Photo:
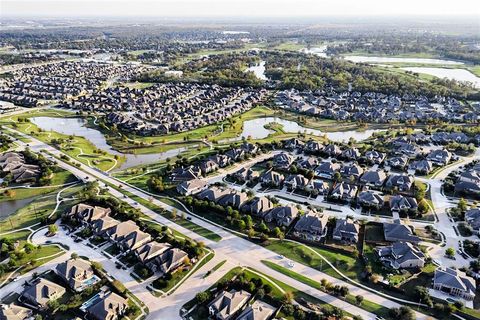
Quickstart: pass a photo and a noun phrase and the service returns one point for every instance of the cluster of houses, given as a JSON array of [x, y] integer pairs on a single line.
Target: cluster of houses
[[160, 258], [229, 304], [468, 181], [169, 107], [376, 107], [73, 275], [59, 81], [13, 164]]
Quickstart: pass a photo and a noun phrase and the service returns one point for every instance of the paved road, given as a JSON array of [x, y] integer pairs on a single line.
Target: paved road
[[237, 250]]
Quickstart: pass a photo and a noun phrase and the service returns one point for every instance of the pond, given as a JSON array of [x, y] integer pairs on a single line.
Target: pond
[[7, 208], [76, 127], [258, 70], [455, 74], [255, 129], [400, 60]]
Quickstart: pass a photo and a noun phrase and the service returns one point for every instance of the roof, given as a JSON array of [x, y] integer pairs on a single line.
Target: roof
[[259, 310], [398, 232], [42, 290], [345, 226], [151, 250], [454, 279], [227, 303], [311, 223], [14, 312], [75, 271], [107, 307]]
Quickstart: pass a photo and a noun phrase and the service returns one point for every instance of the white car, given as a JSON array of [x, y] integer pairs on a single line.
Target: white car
[[16, 279], [291, 264]]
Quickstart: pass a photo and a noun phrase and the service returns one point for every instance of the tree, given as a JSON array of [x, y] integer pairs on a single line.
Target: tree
[[278, 233], [288, 297], [462, 205], [52, 229], [53, 305], [359, 299], [74, 255], [450, 252], [173, 214], [402, 313], [202, 297], [423, 295]]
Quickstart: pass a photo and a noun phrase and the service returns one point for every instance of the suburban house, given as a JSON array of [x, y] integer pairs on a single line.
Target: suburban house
[[186, 174], [439, 157], [293, 144], [283, 215], [77, 273], [122, 230], [168, 261], [109, 307], [86, 214], [14, 163], [327, 169], [189, 187], [213, 193], [150, 250], [370, 199], [401, 203], [344, 191], [346, 230], [351, 170], [235, 199], [374, 178], [317, 187], [332, 150], [472, 217], [41, 292], [15, 312], [400, 182], [208, 166], [397, 231], [397, 162], [455, 283], [294, 182], [258, 310], [135, 239], [313, 146], [401, 255], [282, 160], [308, 164], [421, 166], [227, 304], [258, 206], [351, 154], [311, 226], [374, 156], [272, 179], [245, 175], [101, 226]]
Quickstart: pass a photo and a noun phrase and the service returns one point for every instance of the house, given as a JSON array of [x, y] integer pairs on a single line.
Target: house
[[187, 188], [135, 240], [122, 230], [401, 255], [439, 157], [374, 157], [150, 250], [186, 174], [407, 149], [297, 181], [370, 199], [400, 182], [77, 273], [234, 199], [109, 307], [463, 187], [472, 217], [346, 230], [351, 154], [332, 150], [397, 162], [374, 178], [351, 170], [15, 312], [272, 179], [282, 160], [317, 187], [87, 214], [455, 283], [401, 203], [245, 175], [249, 148], [258, 310], [236, 154], [258, 206], [313, 146], [41, 292], [327, 169], [283, 215], [221, 159], [227, 304], [168, 261], [421, 166], [344, 191], [309, 164], [101, 226], [397, 231], [311, 226], [208, 166], [213, 193], [292, 144]]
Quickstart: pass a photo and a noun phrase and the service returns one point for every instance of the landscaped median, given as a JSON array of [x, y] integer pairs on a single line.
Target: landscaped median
[[341, 292]]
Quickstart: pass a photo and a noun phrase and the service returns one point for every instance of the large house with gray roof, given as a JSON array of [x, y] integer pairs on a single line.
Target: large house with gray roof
[[401, 255], [227, 304], [77, 273], [455, 283], [397, 231], [109, 307], [41, 292], [346, 230], [311, 226]]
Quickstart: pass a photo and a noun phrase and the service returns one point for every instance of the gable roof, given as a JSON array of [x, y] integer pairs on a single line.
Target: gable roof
[[108, 307]]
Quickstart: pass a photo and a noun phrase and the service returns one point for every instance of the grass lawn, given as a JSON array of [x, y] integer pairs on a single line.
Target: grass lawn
[[366, 305]]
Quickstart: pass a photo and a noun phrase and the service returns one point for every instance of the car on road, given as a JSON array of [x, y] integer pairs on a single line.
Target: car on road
[[291, 264], [280, 257], [16, 279], [189, 218]]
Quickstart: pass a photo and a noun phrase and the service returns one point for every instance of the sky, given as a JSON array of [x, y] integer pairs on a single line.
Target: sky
[[237, 8]]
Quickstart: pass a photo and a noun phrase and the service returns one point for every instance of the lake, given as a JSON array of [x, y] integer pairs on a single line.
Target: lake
[[76, 127], [400, 60], [255, 129], [455, 74], [7, 208], [258, 70]]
